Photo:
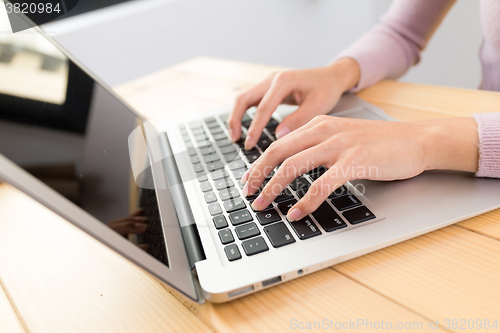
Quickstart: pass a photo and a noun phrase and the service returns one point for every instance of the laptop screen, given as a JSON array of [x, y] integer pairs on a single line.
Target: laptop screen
[[68, 131]]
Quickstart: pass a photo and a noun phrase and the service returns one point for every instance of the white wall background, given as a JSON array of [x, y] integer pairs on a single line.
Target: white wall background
[[132, 39]]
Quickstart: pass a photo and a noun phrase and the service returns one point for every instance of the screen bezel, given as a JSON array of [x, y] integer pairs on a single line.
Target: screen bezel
[[178, 274]]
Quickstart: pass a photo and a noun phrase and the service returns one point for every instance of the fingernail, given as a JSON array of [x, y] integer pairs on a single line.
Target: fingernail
[[140, 226], [231, 134], [284, 130], [244, 191], [244, 178], [293, 214], [247, 142], [258, 202]]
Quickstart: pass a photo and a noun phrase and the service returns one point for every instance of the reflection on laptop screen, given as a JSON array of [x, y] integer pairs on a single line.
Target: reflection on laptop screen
[[64, 128]]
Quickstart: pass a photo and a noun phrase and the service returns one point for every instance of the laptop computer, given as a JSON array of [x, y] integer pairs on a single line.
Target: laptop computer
[[69, 142]]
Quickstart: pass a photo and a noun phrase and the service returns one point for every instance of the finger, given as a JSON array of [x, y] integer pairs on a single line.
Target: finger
[[249, 98], [129, 227], [277, 152], [281, 86], [291, 168], [137, 212], [319, 191], [310, 108]]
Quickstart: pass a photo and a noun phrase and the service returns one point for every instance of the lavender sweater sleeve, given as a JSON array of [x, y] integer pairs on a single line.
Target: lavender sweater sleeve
[[394, 45]]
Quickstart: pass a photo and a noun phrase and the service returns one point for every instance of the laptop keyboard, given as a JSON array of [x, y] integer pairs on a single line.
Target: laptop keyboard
[[219, 165]]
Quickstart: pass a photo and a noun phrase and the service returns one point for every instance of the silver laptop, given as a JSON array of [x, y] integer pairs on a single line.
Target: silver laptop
[[69, 142]]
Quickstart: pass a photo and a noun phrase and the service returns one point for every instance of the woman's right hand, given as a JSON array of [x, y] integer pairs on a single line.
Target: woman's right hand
[[315, 91]]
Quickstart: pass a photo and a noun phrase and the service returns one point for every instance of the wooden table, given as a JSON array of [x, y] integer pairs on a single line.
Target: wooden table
[[55, 278]]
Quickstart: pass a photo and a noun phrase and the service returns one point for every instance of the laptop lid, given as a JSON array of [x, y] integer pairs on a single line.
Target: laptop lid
[[65, 140]]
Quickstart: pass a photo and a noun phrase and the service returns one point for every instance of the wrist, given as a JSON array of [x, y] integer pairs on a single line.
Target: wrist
[[450, 144], [345, 71]]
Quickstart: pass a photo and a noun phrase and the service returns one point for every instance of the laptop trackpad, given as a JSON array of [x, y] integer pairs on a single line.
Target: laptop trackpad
[[358, 113]]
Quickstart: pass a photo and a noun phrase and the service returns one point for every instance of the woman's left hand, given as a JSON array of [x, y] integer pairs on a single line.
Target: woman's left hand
[[360, 149]]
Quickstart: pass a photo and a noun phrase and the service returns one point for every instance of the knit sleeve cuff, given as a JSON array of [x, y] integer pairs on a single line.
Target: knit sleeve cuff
[[489, 144]]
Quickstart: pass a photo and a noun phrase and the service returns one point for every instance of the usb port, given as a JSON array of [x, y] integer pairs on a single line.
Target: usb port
[[271, 281]]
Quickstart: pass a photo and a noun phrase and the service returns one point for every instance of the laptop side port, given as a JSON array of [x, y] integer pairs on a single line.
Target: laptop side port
[[240, 291], [271, 281]]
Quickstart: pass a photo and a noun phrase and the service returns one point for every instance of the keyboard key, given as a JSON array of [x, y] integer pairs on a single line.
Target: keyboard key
[[231, 157], [328, 218], [232, 252], [234, 205], [342, 190], [226, 236], [237, 164], [220, 136], [299, 182], [224, 117], [186, 138], [215, 166], [205, 186], [198, 131], [211, 158], [248, 152], [246, 123], [268, 216], [194, 159], [215, 129], [253, 157], [189, 144], [240, 217], [214, 209], [210, 197], [224, 143], [202, 177], [217, 174], [213, 124], [207, 150], [358, 215], [223, 183], [272, 123], [302, 192], [209, 120], [305, 228], [227, 150], [286, 205], [247, 230], [220, 221], [346, 202], [264, 143], [198, 168], [284, 195], [229, 193], [279, 235], [204, 144], [201, 137], [239, 173], [254, 246], [191, 151]]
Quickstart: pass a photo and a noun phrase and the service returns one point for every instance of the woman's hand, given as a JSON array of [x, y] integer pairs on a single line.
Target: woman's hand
[[360, 149], [316, 91]]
